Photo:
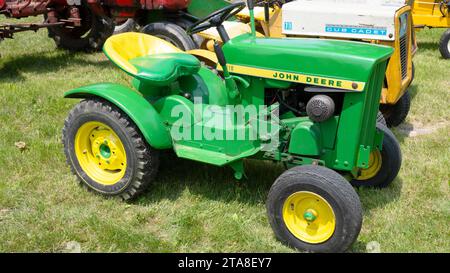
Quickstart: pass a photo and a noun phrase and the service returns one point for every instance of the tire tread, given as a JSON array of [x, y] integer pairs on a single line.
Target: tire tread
[[331, 182], [147, 157]]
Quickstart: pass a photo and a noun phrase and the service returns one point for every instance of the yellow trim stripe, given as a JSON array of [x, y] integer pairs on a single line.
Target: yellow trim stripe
[[296, 77]]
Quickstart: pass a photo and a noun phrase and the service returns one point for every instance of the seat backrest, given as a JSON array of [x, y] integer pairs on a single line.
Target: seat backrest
[[121, 48]]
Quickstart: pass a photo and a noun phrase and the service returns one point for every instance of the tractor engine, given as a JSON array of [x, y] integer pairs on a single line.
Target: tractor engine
[[318, 103]]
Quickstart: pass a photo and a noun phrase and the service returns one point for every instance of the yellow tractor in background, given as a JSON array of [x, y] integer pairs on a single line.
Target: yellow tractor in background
[[372, 21], [433, 14]]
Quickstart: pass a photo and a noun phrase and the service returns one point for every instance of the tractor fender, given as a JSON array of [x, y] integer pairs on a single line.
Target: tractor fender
[[143, 114]]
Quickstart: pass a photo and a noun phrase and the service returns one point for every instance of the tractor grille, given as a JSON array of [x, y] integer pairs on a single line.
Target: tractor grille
[[404, 55], [404, 43]]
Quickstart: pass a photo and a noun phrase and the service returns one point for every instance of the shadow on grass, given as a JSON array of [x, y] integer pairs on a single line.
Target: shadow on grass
[[373, 199], [206, 181], [215, 183], [11, 68], [432, 47], [413, 89], [403, 131], [377, 198], [358, 247], [178, 176], [428, 45]]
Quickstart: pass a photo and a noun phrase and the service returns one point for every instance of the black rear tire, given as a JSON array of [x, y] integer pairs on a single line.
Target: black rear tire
[[171, 33], [142, 161], [185, 24], [90, 36], [327, 185], [444, 45], [391, 161], [396, 114]]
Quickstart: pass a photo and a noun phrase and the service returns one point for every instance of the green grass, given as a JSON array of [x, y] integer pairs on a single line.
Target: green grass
[[192, 207]]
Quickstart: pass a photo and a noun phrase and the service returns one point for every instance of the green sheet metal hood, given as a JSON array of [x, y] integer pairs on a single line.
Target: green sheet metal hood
[[345, 60]]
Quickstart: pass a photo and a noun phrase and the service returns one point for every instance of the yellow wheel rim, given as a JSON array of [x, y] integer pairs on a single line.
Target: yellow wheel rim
[[100, 153], [309, 217], [375, 163]]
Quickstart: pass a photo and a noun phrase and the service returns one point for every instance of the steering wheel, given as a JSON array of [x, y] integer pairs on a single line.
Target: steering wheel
[[216, 19]]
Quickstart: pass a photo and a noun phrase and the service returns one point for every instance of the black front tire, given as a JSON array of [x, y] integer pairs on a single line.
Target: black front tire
[[396, 114], [331, 187], [444, 45], [391, 161], [142, 161], [171, 33]]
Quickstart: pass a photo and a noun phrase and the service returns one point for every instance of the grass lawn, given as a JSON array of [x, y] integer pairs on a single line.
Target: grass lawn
[[193, 207]]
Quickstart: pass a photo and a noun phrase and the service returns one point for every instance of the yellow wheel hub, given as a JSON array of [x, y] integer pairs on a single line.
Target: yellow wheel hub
[[309, 217], [375, 163], [100, 153]]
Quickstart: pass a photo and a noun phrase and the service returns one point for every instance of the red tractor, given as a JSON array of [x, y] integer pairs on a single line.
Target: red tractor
[[170, 20], [86, 24]]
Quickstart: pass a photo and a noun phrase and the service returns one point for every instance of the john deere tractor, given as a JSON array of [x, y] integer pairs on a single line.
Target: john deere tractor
[[372, 21], [310, 104]]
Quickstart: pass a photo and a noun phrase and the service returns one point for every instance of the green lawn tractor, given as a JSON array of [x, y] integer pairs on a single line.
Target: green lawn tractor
[[312, 107]]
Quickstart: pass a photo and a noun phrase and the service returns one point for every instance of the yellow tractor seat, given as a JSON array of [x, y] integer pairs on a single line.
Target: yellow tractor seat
[[149, 59]]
